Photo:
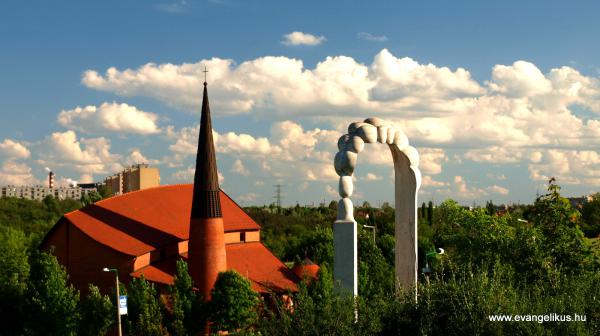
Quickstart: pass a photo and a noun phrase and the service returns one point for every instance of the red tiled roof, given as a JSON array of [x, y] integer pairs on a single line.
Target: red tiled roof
[[139, 222], [252, 260]]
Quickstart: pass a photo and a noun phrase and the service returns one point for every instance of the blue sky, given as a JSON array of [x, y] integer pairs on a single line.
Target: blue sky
[[495, 96]]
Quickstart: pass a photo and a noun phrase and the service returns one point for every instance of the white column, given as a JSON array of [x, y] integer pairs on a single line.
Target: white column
[[345, 256]]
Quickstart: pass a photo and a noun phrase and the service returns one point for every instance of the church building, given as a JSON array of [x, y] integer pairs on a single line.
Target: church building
[[144, 233]]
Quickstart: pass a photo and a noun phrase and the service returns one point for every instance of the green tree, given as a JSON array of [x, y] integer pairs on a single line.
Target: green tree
[[182, 320], [490, 208], [558, 221], [14, 273], [590, 215], [430, 212], [51, 301], [97, 313], [234, 304], [144, 313]]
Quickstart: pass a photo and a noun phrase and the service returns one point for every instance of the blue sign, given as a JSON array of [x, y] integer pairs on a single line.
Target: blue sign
[[123, 304]]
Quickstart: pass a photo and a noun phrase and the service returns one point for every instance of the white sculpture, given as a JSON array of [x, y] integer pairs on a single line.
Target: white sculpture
[[407, 182]]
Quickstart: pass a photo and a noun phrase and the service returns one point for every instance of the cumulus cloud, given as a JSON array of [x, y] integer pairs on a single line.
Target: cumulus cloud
[[17, 174], [109, 117], [494, 154], [370, 37], [239, 168], [434, 104], [521, 113], [249, 197], [299, 38], [90, 155], [13, 150], [569, 167], [372, 177]]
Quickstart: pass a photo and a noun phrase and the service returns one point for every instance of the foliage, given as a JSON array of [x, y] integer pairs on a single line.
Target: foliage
[[234, 304], [590, 215], [144, 313], [51, 301], [97, 313], [181, 320], [14, 273], [558, 222]]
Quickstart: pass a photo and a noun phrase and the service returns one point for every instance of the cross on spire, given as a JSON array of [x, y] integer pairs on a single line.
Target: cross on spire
[[205, 71]]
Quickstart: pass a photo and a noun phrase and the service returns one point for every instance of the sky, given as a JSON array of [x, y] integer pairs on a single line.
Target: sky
[[497, 97]]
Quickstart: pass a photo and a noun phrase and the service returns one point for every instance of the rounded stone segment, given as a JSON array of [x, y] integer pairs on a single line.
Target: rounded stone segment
[[400, 139], [368, 133], [382, 132], [346, 187], [345, 162], [356, 144], [391, 135], [353, 127], [413, 155], [375, 121], [345, 210], [343, 142]]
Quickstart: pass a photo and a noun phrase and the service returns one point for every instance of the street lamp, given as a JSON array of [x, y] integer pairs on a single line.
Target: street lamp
[[106, 269], [372, 227], [427, 270]]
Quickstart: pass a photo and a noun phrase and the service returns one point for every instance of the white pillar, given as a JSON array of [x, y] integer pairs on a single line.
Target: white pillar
[[345, 256]]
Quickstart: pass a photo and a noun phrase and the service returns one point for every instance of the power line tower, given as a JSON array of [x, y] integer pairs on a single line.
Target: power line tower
[[277, 197]]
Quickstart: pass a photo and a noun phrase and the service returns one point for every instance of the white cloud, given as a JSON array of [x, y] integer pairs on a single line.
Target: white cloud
[[494, 154], [249, 197], [109, 117], [239, 168], [83, 155], [428, 181], [136, 157], [331, 192], [567, 166], [299, 38], [13, 150], [372, 177], [370, 37], [519, 115], [498, 190], [521, 79], [13, 173]]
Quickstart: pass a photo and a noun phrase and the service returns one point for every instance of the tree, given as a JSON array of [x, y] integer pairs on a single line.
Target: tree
[[144, 314], [423, 212], [234, 304], [490, 208], [52, 303], [14, 272], [97, 313], [558, 221], [182, 320], [590, 214], [430, 212]]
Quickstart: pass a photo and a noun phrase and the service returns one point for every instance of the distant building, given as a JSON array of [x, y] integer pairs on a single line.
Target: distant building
[[136, 177], [38, 193]]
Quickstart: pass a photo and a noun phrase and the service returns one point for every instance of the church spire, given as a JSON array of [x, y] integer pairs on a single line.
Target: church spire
[[206, 203], [206, 245]]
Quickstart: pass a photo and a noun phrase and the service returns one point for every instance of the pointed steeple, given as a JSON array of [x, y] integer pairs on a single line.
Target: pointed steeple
[[206, 246], [206, 203]]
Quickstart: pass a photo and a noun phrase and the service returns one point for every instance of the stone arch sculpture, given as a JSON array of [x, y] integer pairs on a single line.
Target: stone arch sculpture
[[407, 182]]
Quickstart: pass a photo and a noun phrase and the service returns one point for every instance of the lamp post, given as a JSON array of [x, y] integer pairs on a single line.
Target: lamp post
[[372, 227], [106, 269], [427, 269]]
